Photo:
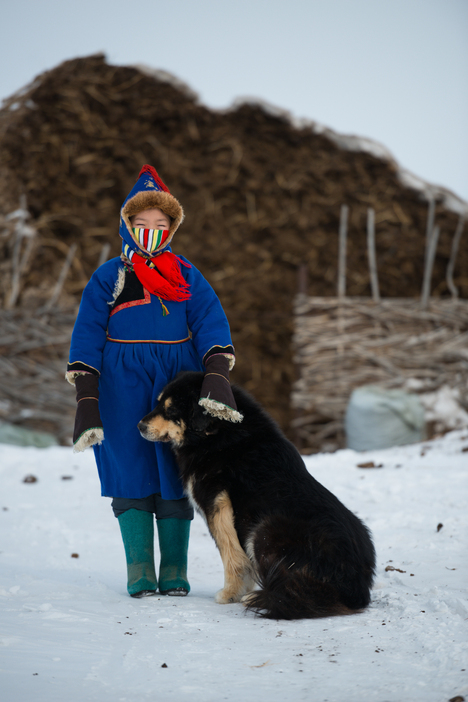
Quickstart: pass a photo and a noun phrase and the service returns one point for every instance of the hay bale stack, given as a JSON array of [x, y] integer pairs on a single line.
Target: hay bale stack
[[261, 197]]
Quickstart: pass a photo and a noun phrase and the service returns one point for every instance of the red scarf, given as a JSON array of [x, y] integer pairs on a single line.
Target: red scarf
[[163, 278]]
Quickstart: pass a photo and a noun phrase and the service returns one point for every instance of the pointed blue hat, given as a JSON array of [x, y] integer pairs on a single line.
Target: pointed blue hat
[[149, 191]]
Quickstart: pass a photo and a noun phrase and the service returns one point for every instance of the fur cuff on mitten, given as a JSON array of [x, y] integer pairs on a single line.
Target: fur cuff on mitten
[[216, 394], [88, 425]]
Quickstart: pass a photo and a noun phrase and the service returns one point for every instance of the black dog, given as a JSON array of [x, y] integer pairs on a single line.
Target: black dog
[[273, 523]]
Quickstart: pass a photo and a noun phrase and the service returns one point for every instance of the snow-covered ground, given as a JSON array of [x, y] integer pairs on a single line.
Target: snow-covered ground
[[70, 633]]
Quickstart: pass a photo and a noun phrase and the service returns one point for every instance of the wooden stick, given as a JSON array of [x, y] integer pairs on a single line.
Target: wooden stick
[[371, 254], [104, 254], [430, 257], [342, 251], [429, 226], [61, 279], [41, 343], [19, 263], [453, 256], [251, 207], [15, 276], [302, 276]]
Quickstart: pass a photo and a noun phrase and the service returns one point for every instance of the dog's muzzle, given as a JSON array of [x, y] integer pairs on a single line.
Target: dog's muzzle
[[150, 434], [157, 428]]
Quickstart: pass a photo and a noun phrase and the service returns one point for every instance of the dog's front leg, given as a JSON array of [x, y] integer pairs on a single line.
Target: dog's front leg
[[239, 576]]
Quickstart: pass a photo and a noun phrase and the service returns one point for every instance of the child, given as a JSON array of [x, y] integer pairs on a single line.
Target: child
[[145, 316]]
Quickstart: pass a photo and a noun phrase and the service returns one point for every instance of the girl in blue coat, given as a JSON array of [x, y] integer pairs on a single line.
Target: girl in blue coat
[[145, 316]]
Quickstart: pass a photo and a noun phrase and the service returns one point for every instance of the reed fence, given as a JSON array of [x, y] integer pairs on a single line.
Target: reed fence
[[341, 343]]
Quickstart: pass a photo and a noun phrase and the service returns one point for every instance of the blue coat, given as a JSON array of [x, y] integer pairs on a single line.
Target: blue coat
[[137, 349]]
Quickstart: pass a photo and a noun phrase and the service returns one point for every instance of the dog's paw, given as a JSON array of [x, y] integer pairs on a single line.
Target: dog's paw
[[225, 596]]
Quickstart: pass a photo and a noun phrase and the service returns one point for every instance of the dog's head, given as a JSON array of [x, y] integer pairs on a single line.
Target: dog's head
[[178, 417]]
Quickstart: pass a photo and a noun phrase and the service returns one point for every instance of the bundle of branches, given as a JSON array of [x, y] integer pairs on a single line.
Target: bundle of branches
[[33, 354], [342, 344], [261, 196]]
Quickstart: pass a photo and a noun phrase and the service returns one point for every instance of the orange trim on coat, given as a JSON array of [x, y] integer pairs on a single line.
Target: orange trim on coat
[[133, 303], [146, 341]]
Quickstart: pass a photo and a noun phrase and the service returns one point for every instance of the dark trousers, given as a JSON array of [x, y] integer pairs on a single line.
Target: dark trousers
[[163, 509]]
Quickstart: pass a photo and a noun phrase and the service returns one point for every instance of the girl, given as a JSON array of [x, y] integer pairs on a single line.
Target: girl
[[143, 317]]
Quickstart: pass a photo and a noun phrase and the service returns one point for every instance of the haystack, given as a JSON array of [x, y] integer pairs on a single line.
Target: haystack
[[261, 194]]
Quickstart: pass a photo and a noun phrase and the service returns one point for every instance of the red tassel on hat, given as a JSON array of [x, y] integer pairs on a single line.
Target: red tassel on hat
[[153, 172]]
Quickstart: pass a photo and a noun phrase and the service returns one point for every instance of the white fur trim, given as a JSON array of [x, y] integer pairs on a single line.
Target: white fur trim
[[89, 438], [230, 356], [145, 199], [220, 411], [71, 376], [119, 286], [232, 360]]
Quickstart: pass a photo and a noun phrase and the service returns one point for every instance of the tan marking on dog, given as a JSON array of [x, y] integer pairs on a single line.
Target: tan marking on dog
[[167, 403], [247, 598], [249, 549], [160, 429], [159, 396], [238, 571], [189, 488], [189, 492]]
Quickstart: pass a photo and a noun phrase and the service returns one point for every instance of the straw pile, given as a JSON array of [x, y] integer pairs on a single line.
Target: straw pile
[[261, 196], [343, 344]]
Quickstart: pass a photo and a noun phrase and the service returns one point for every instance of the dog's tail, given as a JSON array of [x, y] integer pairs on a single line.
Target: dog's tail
[[294, 594]]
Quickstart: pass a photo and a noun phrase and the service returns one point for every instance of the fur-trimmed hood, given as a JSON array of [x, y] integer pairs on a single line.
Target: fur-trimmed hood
[[149, 191]]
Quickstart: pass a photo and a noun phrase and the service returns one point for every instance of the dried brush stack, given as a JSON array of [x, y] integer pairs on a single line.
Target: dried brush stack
[[342, 344], [261, 196], [33, 351]]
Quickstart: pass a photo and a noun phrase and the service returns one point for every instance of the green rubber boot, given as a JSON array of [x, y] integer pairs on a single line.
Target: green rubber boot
[[137, 529], [173, 543]]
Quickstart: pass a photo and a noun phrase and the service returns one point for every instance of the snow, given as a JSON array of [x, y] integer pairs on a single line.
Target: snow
[[70, 632], [444, 408]]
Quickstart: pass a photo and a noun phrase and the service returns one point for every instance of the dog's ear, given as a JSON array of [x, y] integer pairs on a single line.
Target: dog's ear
[[200, 420], [203, 422]]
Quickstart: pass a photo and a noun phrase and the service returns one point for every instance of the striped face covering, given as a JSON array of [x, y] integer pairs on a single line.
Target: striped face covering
[[160, 273], [150, 239]]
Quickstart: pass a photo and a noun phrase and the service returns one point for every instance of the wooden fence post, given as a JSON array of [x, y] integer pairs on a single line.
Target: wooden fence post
[[342, 251], [430, 257], [453, 257], [374, 280], [429, 226]]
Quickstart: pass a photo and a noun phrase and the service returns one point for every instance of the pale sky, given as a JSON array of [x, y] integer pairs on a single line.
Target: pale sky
[[395, 71]]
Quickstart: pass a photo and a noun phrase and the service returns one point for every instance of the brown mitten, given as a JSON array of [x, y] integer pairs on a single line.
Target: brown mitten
[[216, 393], [88, 425]]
